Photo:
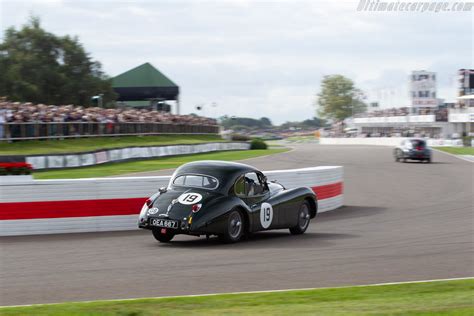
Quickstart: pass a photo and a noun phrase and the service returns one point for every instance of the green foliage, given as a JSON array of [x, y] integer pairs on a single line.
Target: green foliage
[[257, 143], [240, 138], [40, 67], [240, 123], [467, 140], [315, 122], [338, 98]]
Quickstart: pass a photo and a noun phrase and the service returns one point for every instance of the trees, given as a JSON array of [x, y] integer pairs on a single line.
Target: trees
[[313, 123], [339, 98], [245, 122], [41, 67]]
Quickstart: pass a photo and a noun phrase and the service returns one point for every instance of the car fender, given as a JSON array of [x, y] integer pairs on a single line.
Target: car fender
[[212, 217], [298, 195]]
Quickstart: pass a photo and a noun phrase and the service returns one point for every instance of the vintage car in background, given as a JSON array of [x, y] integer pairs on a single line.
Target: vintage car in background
[[413, 149]]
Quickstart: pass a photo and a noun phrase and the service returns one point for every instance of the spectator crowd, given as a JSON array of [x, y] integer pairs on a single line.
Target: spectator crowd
[[18, 112]]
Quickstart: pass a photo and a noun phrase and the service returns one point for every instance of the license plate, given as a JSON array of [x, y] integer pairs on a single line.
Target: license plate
[[164, 223]]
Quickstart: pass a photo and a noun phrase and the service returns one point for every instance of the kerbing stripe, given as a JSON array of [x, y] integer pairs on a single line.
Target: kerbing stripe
[[105, 207]]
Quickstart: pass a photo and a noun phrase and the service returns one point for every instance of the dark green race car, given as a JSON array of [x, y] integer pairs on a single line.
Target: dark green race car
[[225, 199]]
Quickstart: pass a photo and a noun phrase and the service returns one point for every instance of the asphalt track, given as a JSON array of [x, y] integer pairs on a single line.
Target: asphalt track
[[402, 222]]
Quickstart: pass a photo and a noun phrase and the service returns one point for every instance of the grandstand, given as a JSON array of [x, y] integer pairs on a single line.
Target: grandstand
[[37, 121]]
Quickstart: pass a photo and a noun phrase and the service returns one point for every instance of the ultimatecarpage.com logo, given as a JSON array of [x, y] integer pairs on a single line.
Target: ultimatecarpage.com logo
[[414, 6]]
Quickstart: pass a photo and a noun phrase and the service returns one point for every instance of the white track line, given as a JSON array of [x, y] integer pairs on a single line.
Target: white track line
[[457, 156], [248, 292]]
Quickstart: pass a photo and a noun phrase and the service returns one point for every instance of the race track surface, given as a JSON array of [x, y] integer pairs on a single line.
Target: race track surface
[[402, 222]]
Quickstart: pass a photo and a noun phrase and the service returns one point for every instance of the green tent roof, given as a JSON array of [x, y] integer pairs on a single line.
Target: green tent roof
[[142, 76]]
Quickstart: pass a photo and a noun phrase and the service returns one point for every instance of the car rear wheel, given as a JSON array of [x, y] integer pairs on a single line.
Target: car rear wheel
[[397, 155], [303, 220], [235, 227], [162, 237]]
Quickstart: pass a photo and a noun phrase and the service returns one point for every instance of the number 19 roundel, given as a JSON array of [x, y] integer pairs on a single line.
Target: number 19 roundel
[[266, 215], [189, 198]]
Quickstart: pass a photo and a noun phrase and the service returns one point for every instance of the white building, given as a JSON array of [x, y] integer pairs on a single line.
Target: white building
[[423, 89]]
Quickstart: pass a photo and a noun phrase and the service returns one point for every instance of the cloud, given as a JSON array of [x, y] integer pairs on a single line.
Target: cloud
[[261, 58]]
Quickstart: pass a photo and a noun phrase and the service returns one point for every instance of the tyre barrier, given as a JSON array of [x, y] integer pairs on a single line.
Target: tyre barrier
[[30, 207]]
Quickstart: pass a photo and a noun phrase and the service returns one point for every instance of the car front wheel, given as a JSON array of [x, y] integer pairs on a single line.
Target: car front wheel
[[162, 237], [235, 227], [303, 220]]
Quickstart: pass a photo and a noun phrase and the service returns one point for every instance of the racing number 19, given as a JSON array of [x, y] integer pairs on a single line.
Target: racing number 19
[[267, 214], [190, 197]]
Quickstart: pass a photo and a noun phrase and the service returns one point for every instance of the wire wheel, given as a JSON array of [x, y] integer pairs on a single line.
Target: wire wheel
[[235, 225], [303, 220]]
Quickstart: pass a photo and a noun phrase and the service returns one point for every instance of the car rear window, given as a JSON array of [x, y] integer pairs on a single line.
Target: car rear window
[[418, 143], [196, 181]]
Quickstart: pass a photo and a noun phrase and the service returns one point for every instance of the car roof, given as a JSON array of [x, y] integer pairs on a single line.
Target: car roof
[[226, 172], [213, 167]]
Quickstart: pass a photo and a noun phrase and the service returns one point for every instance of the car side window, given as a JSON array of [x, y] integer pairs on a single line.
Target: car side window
[[250, 185], [239, 187]]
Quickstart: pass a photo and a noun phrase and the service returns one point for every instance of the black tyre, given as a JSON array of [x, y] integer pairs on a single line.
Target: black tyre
[[162, 237], [235, 227], [428, 160], [303, 220], [397, 155]]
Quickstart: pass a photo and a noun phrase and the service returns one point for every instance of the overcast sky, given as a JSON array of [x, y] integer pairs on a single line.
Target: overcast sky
[[262, 58]]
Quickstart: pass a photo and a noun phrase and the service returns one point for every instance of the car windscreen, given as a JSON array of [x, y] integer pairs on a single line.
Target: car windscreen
[[196, 181]]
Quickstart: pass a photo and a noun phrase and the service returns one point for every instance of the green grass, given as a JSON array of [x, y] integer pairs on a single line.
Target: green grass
[[150, 165], [34, 147], [457, 150], [430, 298]]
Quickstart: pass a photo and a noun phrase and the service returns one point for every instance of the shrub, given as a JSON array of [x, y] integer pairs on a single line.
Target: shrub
[[466, 140], [257, 143], [239, 137]]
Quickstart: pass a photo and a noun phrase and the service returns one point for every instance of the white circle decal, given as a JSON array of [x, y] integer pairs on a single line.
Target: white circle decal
[[189, 198], [266, 215], [153, 210]]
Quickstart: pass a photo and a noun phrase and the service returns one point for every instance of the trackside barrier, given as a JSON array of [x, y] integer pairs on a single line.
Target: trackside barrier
[[385, 141], [29, 207], [62, 161]]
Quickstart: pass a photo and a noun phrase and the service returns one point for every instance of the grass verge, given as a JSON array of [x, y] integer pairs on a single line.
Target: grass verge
[[457, 150], [37, 147], [427, 298], [114, 169]]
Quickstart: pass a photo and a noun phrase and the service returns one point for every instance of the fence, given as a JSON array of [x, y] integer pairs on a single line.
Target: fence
[[24, 131]]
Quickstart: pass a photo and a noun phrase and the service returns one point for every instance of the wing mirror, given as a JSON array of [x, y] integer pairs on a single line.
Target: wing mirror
[[162, 190]]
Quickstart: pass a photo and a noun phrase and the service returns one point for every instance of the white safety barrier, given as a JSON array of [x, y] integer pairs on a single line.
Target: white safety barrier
[[30, 207], [385, 141], [123, 154]]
